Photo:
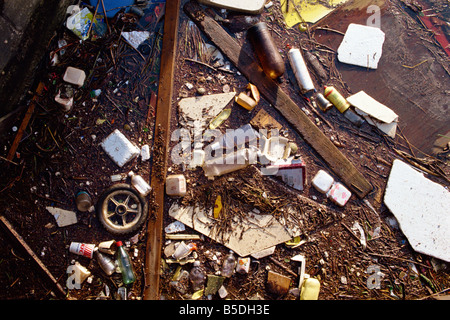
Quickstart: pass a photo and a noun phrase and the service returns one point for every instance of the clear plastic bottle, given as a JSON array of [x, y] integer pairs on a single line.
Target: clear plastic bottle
[[228, 265], [139, 183], [106, 263], [125, 265], [197, 276]]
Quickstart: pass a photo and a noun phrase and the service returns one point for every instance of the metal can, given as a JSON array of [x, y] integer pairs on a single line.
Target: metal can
[[300, 70], [271, 61], [82, 249], [324, 103], [83, 201], [336, 99], [243, 265]]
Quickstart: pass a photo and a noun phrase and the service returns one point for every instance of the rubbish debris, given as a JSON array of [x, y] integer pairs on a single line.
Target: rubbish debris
[[243, 265], [176, 185], [82, 249], [119, 148], [271, 61], [139, 183], [362, 46], [174, 227], [63, 217], [278, 283], [135, 38], [253, 7], [292, 173], [298, 11], [300, 70], [83, 201], [374, 112], [74, 76], [423, 219]]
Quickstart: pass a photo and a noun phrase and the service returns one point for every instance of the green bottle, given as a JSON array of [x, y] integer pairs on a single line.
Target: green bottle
[[125, 265]]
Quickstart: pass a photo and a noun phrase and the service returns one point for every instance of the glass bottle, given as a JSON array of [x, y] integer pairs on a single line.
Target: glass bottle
[[197, 276], [228, 265], [125, 265], [271, 61]]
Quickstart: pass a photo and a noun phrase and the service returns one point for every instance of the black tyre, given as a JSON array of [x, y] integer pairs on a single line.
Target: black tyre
[[121, 209]]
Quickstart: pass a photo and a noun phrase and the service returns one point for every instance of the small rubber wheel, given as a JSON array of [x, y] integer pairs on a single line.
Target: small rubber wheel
[[121, 209]]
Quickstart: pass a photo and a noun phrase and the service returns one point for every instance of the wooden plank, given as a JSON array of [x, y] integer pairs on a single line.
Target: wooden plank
[[24, 124], [250, 68], [160, 151], [18, 240]]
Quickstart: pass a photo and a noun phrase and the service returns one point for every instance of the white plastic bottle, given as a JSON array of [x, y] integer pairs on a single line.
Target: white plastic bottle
[[139, 183]]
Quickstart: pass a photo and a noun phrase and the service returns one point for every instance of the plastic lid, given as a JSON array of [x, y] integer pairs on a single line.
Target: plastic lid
[[119, 243]]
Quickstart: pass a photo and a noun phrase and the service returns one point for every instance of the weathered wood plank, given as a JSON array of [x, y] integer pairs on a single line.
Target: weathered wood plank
[[250, 68], [160, 155]]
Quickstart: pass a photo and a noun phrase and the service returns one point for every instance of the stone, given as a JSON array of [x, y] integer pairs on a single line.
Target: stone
[[421, 208]]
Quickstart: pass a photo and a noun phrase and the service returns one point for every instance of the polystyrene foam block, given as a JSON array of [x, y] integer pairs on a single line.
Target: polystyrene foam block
[[322, 181], [119, 148], [339, 194]]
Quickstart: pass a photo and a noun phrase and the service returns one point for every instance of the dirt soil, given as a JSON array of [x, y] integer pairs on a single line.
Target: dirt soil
[[60, 154]]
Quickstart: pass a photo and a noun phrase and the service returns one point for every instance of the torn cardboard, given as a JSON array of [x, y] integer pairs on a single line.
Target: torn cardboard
[[375, 113]]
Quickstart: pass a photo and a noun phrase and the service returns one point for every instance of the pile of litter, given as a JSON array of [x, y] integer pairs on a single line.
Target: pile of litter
[[252, 209]]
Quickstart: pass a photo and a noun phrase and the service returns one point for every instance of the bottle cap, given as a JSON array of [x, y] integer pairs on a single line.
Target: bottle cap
[[119, 243]]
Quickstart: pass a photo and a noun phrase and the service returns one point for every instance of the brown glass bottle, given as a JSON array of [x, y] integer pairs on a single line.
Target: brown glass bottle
[[271, 61]]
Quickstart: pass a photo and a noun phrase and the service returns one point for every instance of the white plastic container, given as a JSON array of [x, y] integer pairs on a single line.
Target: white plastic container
[[322, 181], [176, 185], [139, 183], [74, 76], [300, 70], [339, 194]]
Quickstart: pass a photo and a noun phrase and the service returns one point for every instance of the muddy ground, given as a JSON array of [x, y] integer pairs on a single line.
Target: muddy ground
[[60, 154]]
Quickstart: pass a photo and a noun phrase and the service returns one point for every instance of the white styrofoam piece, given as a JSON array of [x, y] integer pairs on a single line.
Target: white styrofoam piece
[[253, 6], [339, 194], [362, 46], [145, 152], [421, 208], [119, 148], [74, 76], [374, 112], [322, 181]]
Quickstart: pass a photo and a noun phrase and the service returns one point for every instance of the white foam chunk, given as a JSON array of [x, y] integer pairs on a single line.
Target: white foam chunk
[[421, 208], [361, 46], [119, 148], [254, 6], [322, 181]]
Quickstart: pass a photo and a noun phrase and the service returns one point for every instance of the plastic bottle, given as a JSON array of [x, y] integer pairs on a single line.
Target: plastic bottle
[[300, 70], [139, 183], [228, 265], [125, 265], [271, 61], [197, 276], [106, 263]]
